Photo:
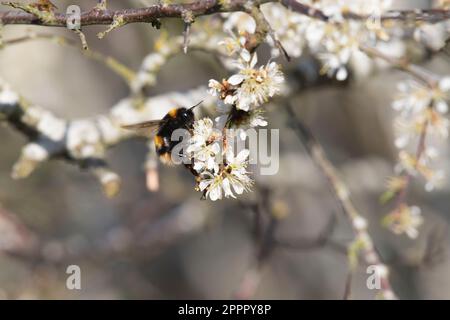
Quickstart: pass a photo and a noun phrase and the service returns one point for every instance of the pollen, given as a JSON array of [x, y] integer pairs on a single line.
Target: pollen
[[159, 141], [166, 158], [173, 112]]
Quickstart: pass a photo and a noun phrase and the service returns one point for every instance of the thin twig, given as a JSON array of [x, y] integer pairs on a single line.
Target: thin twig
[[342, 194], [403, 64], [116, 66], [348, 287]]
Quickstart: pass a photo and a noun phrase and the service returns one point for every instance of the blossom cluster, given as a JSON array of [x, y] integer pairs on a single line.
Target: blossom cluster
[[250, 87], [421, 126], [220, 170], [335, 41], [338, 42], [404, 220], [422, 113]]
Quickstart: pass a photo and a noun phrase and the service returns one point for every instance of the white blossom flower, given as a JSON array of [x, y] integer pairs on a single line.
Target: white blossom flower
[[236, 171], [212, 184], [405, 219], [363, 7], [256, 86], [435, 180], [203, 146], [240, 21], [335, 41], [202, 131], [333, 65], [232, 179], [287, 25], [420, 126], [438, 125], [339, 44], [224, 91], [205, 158], [431, 35], [412, 97], [251, 86], [441, 95], [233, 44]]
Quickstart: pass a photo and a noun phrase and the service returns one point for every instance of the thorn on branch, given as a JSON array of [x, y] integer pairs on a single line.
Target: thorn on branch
[[109, 180], [187, 29], [156, 23], [280, 46], [263, 29], [188, 18], [118, 22], [101, 5], [32, 155], [84, 43]]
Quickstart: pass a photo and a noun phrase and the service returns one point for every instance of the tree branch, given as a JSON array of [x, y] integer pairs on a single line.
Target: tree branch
[[146, 15], [403, 64], [97, 16]]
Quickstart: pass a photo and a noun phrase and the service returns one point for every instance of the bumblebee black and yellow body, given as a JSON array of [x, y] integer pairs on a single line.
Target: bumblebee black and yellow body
[[177, 118]]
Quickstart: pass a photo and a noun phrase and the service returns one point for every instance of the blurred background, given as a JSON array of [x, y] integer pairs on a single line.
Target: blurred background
[[170, 244]]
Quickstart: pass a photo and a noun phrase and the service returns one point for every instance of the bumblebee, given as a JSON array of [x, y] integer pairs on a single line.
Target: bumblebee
[[177, 118]]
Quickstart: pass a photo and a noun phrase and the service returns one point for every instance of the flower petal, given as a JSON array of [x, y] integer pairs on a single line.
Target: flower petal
[[242, 156], [227, 189], [245, 55], [254, 60], [236, 79], [215, 193]]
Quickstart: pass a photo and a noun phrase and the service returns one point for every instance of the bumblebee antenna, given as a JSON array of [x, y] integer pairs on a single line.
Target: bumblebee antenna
[[196, 105]]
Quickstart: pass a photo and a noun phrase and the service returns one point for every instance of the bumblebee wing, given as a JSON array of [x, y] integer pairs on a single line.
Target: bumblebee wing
[[145, 128]]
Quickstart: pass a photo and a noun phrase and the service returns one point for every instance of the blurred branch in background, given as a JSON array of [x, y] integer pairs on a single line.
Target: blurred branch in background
[[363, 243], [15, 236], [267, 214], [146, 238]]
